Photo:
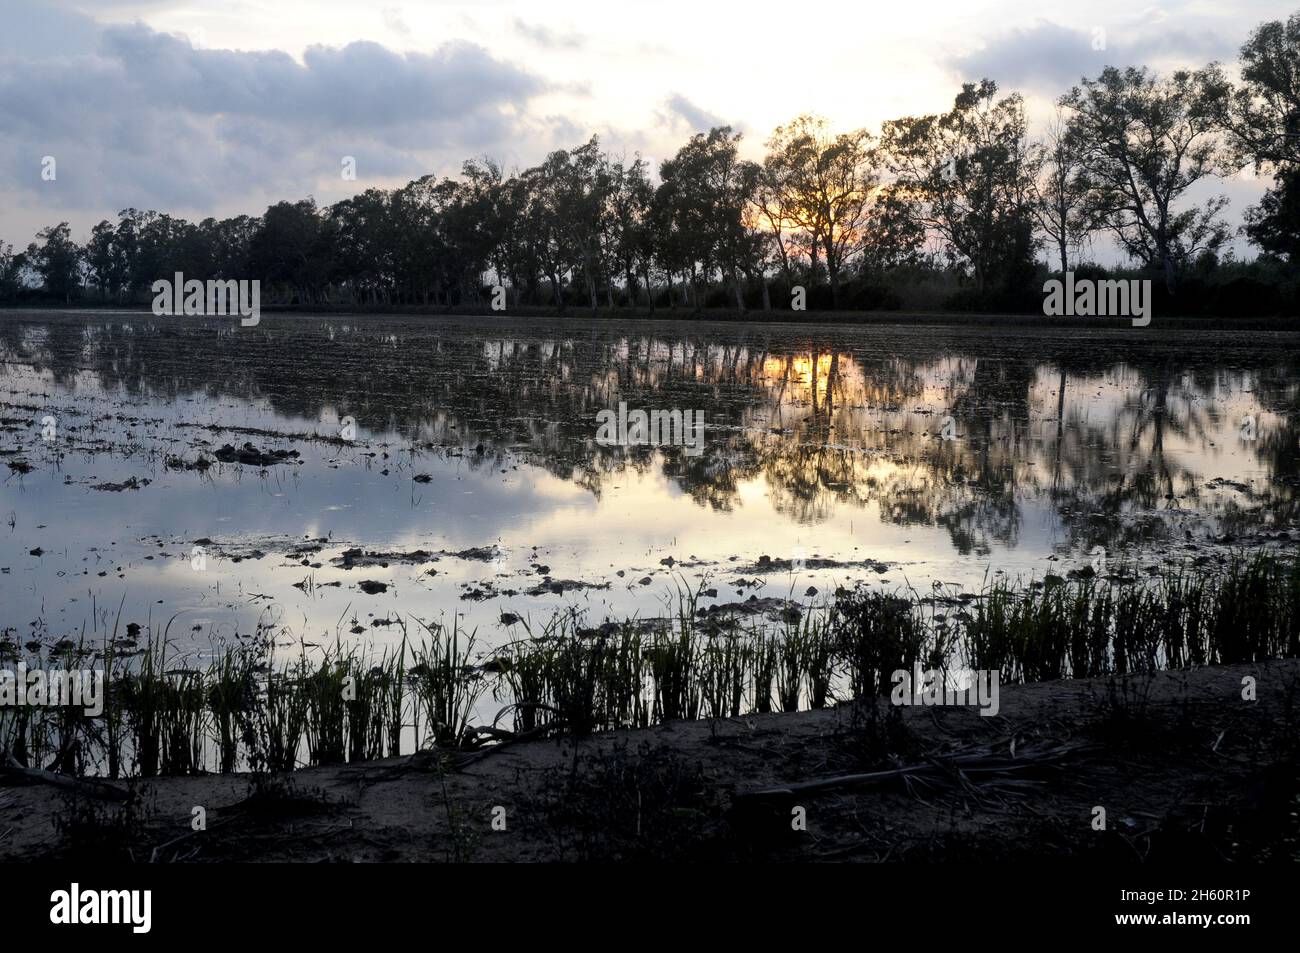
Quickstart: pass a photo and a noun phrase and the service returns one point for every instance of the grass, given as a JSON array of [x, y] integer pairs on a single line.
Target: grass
[[250, 709], [447, 685]]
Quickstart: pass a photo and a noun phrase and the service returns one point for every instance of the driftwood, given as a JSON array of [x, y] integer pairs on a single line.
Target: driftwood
[[486, 740], [90, 786], [962, 764]]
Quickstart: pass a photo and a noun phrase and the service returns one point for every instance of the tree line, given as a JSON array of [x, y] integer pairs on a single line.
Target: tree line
[[965, 195]]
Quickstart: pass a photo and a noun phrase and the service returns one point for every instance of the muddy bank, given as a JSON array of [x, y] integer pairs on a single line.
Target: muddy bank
[[1184, 768]]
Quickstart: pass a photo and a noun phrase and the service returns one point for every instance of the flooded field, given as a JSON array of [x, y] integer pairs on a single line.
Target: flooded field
[[323, 478]]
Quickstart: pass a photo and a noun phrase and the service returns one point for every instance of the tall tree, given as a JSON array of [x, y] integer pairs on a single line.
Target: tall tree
[[1143, 143], [105, 261], [1060, 192], [631, 197], [287, 250], [57, 259], [577, 184], [1262, 120], [823, 183], [11, 268], [706, 190], [967, 175], [1262, 115]]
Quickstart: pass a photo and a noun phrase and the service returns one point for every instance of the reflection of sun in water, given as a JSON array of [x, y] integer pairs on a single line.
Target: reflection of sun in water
[[806, 375]]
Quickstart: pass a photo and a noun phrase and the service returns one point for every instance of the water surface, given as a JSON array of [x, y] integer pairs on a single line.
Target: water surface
[[454, 463]]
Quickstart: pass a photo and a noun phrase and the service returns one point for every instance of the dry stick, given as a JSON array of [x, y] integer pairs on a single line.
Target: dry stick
[[81, 785], [967, 763]]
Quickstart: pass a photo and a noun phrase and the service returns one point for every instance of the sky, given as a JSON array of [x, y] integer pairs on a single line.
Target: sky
[[220, 107]]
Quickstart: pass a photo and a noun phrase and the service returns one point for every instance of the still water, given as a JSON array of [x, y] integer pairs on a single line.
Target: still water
[[324, 477]]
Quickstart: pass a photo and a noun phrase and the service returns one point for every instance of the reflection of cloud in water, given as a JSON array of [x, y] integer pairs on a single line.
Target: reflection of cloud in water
[[824, 439]]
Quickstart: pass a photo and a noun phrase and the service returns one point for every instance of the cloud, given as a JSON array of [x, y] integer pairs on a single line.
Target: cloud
[[681, 110], [1050, 58], [147, 119], [362, 84], [394, 21], [32, 30], [549, 39]]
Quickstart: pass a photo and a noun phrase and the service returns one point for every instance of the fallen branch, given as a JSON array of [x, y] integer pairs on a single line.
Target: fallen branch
[[962, 764], [89, 786]]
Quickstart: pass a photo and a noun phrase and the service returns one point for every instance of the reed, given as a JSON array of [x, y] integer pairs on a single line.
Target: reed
[[248, 707]]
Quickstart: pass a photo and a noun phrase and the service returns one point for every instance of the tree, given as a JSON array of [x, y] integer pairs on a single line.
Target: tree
[[576, 187], [1262, 120], [1262, 116], [1060, 192], [105, 261], [287, 249], [1143, 142], [366, 243], [892, 237], [774, 201], [492, 196], [631, 198], [966, 175], [57, 259], [823, 185], [1274, 224], [705, 192], [11, 269]]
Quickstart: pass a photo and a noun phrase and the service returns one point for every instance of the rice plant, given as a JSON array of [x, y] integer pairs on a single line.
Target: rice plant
[[165, 714], [445, 683]]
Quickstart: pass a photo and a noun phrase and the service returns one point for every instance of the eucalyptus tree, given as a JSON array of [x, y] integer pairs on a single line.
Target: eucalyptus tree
[[229, 240], [105, 262], [497, 200], [774, 204], [706, 190], [1261, 117], [823, 184], [11, 269], [412, 225], [57, 259], [577, 185], [542, 240], [1143, 143], [631, 223], [966, 176], [365, 239], [287, 250]]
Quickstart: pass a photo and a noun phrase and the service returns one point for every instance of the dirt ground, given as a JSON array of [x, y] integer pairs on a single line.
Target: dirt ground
[[1183, 766]]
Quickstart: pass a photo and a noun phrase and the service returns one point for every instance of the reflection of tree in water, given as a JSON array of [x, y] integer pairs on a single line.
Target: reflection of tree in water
[[826, 417]]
